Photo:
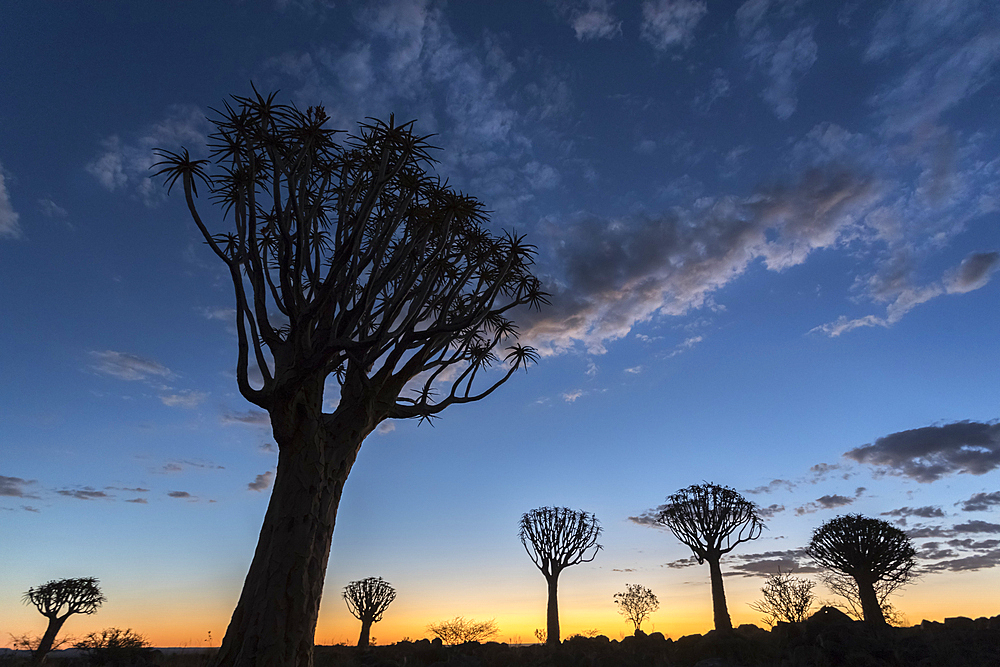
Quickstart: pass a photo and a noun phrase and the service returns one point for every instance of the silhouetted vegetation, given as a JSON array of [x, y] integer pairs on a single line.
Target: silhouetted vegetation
[[352, 263], [556, 538], [636, 603], [460, 630], [115, 647], [57, 601], [869, 551], [367, 600], [786, 598], [711, 520]]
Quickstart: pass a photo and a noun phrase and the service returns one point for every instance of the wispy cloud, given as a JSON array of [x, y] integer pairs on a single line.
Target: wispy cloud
[[250, 417], [185, 398], [929, 453], [670, 23], [262, 482], [83, 493], [15, 487], [590, 19], [179, 494], [126, 164], [980, 502], [9, 225], [126, 366]]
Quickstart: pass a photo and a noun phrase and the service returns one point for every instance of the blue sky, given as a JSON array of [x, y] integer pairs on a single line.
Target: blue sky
[[770, 229]]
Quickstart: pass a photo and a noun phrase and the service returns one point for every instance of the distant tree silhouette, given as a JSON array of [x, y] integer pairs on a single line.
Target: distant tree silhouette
[[867, 550], [556, 538], [636, 603], [847, 588], [114, 646], [711, 520], [460, 630], [367, 600], [58, 600], [786, 598], [351, 264]]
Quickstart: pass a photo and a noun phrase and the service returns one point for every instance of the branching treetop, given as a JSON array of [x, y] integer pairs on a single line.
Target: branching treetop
[[558, 537], [864, 548], [351, 260], [76, 596], [368, 599], [710, 519]]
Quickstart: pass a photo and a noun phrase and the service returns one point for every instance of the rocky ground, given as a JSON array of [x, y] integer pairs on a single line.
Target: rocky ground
[[828, 639]]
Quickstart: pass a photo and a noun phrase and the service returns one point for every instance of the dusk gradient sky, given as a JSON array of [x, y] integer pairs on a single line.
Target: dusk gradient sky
[[771, 231]]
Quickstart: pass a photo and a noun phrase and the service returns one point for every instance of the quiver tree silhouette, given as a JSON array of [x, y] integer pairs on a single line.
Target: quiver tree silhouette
[[367, 600], [711, 520], [636, 603], [58, 600], [353, 266], [556, 538], [786, 598], [870, 551]]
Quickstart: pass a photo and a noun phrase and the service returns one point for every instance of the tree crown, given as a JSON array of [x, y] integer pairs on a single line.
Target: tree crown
[[368, 599], [864, 548], [636, 603], [710, 519], [558, 537], [350, 260], [64, 597]]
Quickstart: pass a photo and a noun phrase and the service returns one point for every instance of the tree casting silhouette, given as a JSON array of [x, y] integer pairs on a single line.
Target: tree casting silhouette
[[57, 601], [711, 520], [556, 538], [367, 600], [636, 603], [867, 550], [351, 264], [786, 598]]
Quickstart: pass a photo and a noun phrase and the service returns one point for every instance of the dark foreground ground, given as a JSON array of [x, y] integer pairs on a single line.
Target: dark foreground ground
[[826, 640]]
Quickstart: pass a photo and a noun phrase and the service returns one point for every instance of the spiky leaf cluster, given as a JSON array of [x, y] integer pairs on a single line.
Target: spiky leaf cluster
[[350, 258], [63, 597], [367, 599], [558, 537], [863, 548], [710, 519]]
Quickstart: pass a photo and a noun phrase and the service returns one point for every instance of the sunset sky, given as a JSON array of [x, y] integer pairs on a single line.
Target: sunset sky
[[771, 231]]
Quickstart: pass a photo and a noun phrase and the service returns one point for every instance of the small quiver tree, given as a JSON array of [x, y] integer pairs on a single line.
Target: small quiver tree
[[786, 598], [711, 520], [873, 553], [354, 267], [57, 601], [556, 538], [636, 603], [367, 600]]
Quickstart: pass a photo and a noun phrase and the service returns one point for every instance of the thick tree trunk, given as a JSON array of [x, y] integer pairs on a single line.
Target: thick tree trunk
[[366, 633], [275, 620], [722, 620], [48, 639], [552, 612], [870, 607]]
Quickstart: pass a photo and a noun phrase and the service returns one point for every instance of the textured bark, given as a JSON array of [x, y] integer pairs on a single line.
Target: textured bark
[[552, 611], [275, 620], [366, 633], [49, 638], [870, 608], [722, 620]]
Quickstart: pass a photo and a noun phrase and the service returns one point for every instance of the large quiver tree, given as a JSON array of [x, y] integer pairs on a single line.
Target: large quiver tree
[[352, 265], [711, 520], [57, 601], [872, 552], [556, 538]]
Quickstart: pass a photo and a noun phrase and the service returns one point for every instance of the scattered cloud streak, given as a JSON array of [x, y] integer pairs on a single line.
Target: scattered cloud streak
[[15, 487], [670, 23], [10, 226], [262, 482], [590, 19], [927, 454], [126, 366], [980, 502]]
